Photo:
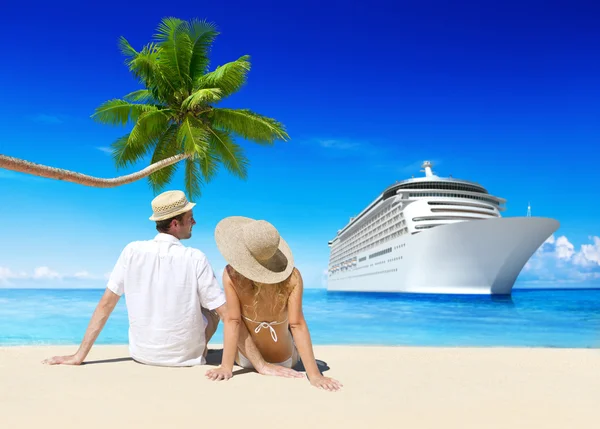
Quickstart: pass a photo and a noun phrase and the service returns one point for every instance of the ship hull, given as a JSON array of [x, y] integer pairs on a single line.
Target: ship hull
[[482, 257]]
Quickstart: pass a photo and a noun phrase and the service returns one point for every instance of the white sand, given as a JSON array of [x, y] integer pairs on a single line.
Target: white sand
[[384, 387]]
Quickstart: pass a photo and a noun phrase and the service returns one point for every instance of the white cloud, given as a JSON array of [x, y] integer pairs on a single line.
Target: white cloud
[[47, 119], [83, 275], [557, 261], [6, 275], [339, 144], [43, 273], [589, 255], [563, 248], [105, 149]]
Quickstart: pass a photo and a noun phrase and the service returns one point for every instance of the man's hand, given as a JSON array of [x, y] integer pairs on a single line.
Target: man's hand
[[63, 360], [219, 373], [326, 383], [279, 371]]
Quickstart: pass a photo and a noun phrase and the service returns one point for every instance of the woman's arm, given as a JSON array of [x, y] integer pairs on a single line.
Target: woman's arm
[[301, 336]]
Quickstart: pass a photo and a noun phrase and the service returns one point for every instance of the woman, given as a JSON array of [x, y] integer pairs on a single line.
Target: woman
[[264, 291]]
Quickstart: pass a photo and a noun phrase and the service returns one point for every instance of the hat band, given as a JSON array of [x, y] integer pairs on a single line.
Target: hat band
[[171, 208]]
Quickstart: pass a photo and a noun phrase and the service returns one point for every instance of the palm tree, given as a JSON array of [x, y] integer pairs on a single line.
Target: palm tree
[[175, 117]]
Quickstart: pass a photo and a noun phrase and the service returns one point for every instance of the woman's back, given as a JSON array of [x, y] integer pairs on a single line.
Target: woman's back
[[264, 310]]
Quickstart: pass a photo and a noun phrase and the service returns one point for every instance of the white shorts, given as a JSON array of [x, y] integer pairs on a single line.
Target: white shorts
[[288, 363]]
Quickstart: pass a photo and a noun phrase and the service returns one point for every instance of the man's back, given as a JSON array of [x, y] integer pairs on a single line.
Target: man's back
[[165, 286]]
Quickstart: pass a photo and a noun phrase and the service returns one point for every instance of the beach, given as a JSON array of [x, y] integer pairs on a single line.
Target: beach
[[384, 387]]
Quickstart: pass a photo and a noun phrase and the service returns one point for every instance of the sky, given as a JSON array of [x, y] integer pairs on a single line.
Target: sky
[[506, 94]]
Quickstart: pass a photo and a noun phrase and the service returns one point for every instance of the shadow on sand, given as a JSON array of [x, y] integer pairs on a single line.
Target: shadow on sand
[[214, 356], [115, 360]]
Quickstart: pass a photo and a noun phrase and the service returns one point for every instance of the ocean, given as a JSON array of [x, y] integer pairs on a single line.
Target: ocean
[[533, 318]]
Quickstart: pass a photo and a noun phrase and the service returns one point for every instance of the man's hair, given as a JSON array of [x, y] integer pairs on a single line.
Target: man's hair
[[163, 225]]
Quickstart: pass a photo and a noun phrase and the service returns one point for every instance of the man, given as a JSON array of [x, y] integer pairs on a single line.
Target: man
[[173, 299]]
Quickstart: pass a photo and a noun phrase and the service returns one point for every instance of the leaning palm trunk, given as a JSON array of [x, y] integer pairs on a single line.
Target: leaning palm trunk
[[22, 166]]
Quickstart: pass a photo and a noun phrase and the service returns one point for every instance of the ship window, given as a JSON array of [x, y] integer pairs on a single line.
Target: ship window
[[443, 185], [381, 252]]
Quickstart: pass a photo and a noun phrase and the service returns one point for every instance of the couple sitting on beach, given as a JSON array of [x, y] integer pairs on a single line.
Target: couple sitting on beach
[[174, 302]]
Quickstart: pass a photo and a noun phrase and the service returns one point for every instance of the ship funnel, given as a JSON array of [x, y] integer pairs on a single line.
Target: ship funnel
[[427, 168]]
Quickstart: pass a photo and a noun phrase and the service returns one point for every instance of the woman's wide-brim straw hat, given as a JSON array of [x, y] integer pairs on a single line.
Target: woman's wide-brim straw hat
[[170, 204], [254, 249]]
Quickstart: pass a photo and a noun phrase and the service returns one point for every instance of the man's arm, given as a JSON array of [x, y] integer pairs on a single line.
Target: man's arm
[[103, 310]]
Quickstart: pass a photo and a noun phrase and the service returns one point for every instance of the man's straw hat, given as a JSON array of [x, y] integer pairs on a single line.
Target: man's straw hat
[[170, 204], [254, 249]]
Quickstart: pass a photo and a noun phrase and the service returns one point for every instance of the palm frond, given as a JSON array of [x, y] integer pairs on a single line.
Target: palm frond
[[126, 48], [228, 152], [119, 112], [166, 147], [203, 34], [142, 96], [193, 179], [193, 137], [124, 154], [229, 77], [201, 97], [176, 52], [143, 65], [249, 125], [146, 67], [149, 126], [209, 164]]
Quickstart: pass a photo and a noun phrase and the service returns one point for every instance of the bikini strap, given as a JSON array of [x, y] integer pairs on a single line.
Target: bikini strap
[[266, 325]]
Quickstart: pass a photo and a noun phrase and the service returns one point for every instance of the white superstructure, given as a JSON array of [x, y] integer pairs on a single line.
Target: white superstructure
[[434, 235]]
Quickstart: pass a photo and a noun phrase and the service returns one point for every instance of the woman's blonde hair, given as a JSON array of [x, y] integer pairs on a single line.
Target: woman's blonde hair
[[244, 285]]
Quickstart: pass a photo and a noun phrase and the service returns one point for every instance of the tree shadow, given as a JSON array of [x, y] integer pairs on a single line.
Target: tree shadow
[[214, 356]]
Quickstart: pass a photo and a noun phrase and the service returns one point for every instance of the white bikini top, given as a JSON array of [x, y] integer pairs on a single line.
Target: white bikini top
[[266, 325]]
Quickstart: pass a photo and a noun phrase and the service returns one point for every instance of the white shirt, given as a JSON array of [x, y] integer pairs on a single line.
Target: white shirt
[[165, 284]]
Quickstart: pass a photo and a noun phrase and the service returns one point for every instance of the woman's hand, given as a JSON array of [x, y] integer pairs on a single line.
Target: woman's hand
[[278, 371], [326, 383], [218, 374]]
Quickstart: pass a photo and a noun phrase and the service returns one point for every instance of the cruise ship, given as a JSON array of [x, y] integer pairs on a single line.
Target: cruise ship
[[434, 235]]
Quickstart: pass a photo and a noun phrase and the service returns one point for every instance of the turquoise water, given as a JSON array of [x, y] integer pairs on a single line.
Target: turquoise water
[[556, 318]]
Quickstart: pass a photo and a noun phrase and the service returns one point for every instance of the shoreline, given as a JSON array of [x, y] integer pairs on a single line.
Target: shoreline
[[393, 386], [350, 345], [514, 289]]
